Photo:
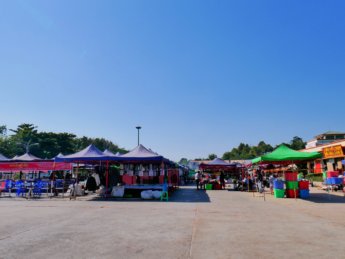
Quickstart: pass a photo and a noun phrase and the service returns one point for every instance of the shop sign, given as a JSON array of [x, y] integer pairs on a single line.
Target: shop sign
[[332, 152], [33, 166]]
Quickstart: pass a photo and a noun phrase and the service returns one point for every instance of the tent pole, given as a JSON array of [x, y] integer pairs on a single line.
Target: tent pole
[[107, 178]]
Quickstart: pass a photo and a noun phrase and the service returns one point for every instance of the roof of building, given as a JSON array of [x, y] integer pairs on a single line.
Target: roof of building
[[331, 133]]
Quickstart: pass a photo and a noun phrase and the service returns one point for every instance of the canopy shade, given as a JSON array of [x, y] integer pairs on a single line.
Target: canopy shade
[[27, 157], [3, 158], [90, 153], [286, 154], [109, 153], [141, 154], [218, 164]]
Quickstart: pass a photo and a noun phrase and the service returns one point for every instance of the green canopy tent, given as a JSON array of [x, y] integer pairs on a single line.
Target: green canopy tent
[[286, 154]]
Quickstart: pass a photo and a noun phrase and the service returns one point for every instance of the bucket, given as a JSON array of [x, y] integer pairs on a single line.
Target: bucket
[[292, 193], [208, 186], [303, 185], [304, 194], [279, 193], [291, 176], [335, 180], [292, 185], [278, 184], [332, 174]]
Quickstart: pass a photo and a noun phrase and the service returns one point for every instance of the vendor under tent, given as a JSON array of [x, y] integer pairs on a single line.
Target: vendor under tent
[[89, 155], [221, 169], [284, 155], [144, 166]]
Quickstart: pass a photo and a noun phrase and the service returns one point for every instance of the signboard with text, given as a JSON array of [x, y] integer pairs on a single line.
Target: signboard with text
[[333, 152], [33, 166]]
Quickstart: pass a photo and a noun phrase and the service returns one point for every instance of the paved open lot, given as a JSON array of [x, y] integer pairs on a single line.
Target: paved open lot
[[194, 224]]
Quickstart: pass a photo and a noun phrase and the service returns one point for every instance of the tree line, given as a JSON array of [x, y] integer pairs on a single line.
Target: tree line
[[27, 139], [246, 151]]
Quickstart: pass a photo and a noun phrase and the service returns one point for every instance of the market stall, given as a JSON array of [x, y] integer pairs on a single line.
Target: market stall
[[143, 169], [285, 156], [216, 171], [27, 172]]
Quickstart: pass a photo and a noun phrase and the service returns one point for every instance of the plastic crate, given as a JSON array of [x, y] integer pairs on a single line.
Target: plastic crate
[[279, 193], [291, 176], [208, 186], [303, 185], [335, 180], [304, 194], [292, 193], [278, 184], [332, 174], [292, 185]]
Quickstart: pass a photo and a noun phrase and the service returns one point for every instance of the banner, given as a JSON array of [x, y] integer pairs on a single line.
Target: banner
[[34, 166], [332, 152]]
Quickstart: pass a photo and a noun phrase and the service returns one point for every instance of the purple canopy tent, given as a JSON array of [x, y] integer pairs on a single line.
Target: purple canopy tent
[[26, 157], [3, 158], [89, 154], [143, 155], [218, 164]]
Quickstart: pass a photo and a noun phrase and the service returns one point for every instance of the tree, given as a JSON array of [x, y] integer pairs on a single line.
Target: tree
[[26, 137], [183, 161], [3, 130], [212, 156], [297, 143]]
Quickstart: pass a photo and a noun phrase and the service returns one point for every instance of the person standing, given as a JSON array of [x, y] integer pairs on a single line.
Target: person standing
[[222, 180], [197, 179]]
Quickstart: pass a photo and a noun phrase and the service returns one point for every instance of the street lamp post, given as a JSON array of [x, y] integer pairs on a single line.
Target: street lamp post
[[138, 128]]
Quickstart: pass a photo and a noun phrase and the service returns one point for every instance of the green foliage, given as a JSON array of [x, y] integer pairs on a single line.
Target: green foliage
[[26, 138], [183, 161], [3, 130], [212, 156], [244, 151], [297, 143]]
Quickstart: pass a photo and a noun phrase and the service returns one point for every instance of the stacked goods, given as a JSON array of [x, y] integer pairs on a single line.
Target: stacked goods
[[333, 179], [303, 187], [278, 188], [291, 185]]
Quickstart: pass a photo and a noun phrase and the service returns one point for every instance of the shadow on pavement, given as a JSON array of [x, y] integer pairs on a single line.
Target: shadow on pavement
[[326, 198], [183, 194], [189, 194]]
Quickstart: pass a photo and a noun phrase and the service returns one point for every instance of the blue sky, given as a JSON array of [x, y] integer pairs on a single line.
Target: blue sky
[[199, 76]]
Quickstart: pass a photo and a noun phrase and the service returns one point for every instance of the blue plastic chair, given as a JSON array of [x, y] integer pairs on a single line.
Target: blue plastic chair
[[20, 188], [37, 190]]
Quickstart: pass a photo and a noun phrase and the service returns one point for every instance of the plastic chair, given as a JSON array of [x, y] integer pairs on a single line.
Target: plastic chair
[[37, 190], [20, 188]]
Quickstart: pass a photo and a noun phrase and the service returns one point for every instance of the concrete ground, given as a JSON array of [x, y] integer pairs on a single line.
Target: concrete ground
[[193, 224]]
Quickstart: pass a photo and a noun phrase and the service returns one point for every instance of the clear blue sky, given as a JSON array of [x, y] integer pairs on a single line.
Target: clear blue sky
[[199, 76]]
